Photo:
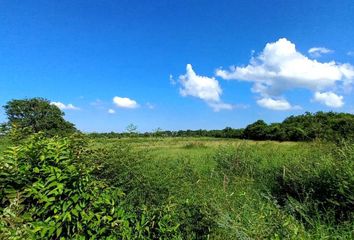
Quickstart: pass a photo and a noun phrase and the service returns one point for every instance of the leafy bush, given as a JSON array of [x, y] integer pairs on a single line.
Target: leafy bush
[[197, 221], [48, 192]]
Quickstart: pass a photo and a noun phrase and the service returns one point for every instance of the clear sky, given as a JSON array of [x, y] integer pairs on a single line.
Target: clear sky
[[167, 63]]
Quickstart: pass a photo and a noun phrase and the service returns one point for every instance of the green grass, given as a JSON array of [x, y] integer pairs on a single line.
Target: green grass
[[239, 198], [235, 189]]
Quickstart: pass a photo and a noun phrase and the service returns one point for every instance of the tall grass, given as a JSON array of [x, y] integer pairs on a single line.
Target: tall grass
[[230, 189]]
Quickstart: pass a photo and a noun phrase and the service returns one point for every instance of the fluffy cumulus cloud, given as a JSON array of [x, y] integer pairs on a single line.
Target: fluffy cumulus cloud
[[124, 102], [319, 51], [63, 106], [274, 104], [280, 67], [330, 99], [205, 88]]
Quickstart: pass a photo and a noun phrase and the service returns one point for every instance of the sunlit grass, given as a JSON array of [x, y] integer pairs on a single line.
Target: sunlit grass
[[244, 207]]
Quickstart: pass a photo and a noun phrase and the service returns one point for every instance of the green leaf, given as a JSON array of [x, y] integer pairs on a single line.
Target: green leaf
[[59, 230]]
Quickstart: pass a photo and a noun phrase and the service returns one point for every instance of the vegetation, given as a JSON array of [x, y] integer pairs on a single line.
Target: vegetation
[[71, 186], [307, 127], [194, 188], [48, 191], [34, 115]]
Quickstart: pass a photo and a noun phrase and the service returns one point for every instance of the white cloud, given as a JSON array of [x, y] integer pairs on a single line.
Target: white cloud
[[62, 106], [205, 88], [280, 67], [318, 51], [275, 104], [124, 102], [111, 111], [330, 99]]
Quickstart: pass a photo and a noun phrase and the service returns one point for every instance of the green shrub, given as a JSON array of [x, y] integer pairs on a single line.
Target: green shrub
[[48, 192], [197, 221]]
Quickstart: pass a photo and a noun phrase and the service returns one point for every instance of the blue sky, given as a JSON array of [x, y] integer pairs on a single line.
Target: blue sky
[[121, 62]]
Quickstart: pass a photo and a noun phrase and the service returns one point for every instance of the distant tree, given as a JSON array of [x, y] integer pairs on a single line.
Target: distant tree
[[328, 126], [158, 132], [131, 129], [276, 132], [27, 116], [256, 131]]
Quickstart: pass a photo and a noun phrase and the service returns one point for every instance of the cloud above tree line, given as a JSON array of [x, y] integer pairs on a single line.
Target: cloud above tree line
[[63, 106], [124, 102], [205, 88], [279, 67]]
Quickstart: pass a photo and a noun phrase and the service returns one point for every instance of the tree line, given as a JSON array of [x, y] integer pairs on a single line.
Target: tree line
[[28, 116], [329, 126]]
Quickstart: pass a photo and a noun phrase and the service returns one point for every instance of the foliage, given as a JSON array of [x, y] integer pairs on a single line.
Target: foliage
[[47, 191], [35, 115], [4, 129], [328, 126], [131, 129], [312, 183], [176, 188], [256, 131], [323, 185]]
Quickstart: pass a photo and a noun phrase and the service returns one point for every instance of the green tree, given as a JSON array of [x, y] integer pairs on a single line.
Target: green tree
[[131, 129], [256, 131], [28, 116], [4, 128]]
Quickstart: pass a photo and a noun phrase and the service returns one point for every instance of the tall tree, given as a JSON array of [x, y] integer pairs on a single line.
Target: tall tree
[[256, 131], [27, 116]]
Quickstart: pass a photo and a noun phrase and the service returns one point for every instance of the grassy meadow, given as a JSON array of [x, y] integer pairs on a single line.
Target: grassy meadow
[[234, 181], [234, 189]]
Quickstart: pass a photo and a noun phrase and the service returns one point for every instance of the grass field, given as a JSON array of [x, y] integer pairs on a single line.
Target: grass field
[[238, 189], [240, 200]]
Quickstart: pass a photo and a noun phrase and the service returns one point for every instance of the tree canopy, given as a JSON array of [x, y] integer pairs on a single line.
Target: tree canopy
[[306, 127], [27, 116]]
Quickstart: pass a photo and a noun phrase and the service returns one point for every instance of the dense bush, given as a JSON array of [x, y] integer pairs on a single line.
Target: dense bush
[[47, 191]]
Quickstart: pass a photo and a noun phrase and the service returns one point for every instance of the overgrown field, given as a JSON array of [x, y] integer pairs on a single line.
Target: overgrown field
[[203, 188]]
